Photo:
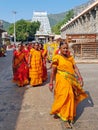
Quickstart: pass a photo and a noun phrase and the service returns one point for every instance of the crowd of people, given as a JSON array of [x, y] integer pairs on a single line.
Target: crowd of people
[[29, 67], [29, 64]]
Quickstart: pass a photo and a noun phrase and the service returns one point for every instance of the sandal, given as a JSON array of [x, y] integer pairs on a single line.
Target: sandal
[[56, 116], [67, 125]]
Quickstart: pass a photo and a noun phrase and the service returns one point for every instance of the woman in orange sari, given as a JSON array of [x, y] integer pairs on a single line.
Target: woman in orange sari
[[44, 56], [26, 53], [68, 91], [35, 64], [20, 68]]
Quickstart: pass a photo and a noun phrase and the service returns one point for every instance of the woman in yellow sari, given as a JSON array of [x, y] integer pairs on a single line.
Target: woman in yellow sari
[[35, 70], [68, 91]]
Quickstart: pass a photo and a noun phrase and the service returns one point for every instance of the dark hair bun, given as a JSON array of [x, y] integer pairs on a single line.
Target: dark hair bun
[[62, 43]]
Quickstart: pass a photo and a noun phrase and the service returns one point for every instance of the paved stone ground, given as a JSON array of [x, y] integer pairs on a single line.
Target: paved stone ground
[[28, 109]]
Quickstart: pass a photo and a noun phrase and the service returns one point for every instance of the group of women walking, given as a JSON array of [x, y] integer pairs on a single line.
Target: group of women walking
[[29, 67], [29, 64]]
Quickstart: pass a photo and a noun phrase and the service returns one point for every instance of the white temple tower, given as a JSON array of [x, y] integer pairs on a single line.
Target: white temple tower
[[43, 19]]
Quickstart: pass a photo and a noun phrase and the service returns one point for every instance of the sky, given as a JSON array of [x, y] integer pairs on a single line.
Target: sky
[[24, 8]]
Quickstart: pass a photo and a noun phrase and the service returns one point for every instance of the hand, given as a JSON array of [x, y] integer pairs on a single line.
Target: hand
[[29, 65], [81, 81], [51, 87]]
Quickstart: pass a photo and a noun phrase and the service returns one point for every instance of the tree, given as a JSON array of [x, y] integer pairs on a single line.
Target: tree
[[24, 29], [32, 27], [56, 28]]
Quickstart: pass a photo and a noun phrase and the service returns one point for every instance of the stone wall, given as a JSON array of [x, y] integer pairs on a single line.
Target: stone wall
[[84, 24]]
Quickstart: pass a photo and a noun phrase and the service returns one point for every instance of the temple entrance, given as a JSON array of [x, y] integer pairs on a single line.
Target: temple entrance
[[86, 50], [84, 46]]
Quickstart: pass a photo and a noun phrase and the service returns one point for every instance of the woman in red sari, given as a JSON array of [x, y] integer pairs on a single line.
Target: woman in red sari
[[20, 67]]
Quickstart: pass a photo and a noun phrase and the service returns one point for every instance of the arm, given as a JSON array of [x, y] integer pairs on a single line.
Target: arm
[[80, 79], [52, 77]]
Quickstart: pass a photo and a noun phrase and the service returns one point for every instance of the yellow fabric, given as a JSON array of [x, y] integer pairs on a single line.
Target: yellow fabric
[[35, 71], [44, 53], [67, 92], [45, 46], [51, 47]]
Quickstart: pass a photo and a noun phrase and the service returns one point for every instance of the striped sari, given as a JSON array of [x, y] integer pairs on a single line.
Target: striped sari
[[36, 70]]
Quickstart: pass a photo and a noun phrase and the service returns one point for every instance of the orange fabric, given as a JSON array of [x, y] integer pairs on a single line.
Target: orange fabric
[[20, 69], [57, 51], [35, 71], [67, 92], [44, 55], [26, 53]]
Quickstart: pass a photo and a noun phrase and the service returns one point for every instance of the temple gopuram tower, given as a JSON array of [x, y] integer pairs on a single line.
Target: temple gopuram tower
[[44, 32]]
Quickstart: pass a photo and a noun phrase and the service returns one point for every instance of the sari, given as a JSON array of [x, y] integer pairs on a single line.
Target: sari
[[35, 70], [68, 92], [26, 53], [44, 56], [20, 69]]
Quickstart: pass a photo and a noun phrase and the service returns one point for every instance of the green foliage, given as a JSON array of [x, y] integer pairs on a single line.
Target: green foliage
[[11, 29], [56, 28], [24, 29], [32, 28], [68, 16]]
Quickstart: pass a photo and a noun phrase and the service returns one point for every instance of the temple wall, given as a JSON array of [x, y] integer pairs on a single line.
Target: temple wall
[[85, 24], [81, 33]]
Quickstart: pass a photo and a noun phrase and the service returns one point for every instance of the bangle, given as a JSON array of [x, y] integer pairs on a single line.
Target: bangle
[[79, 78], [50, 84]]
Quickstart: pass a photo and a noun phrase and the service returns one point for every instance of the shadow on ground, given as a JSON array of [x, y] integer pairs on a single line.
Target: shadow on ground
[[86, 103]]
